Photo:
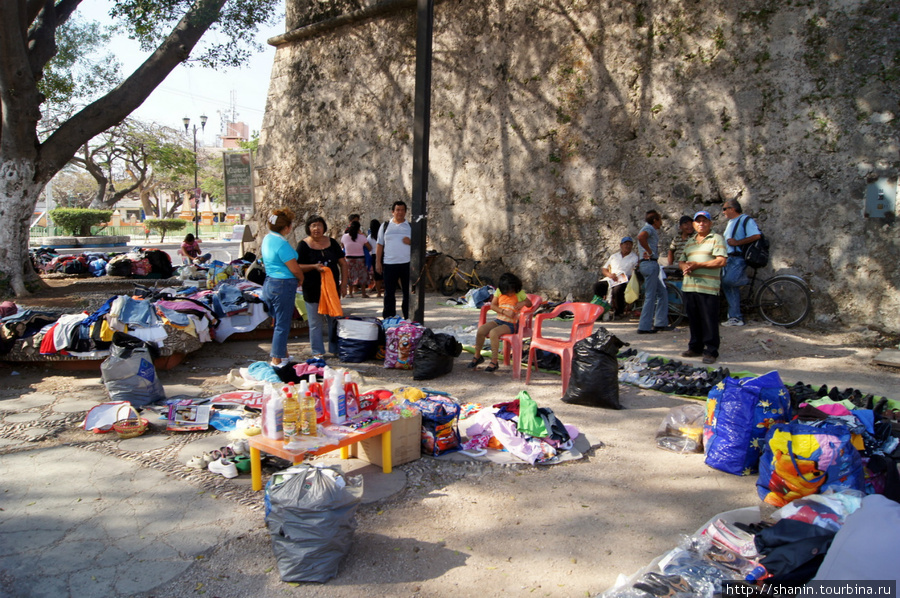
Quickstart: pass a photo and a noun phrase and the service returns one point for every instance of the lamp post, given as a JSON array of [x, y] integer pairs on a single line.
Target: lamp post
[[187, 124]]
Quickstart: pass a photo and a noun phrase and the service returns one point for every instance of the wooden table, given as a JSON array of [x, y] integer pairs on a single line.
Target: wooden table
[[260, 444]]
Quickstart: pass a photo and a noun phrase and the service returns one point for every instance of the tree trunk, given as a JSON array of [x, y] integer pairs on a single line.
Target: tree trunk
[[18, 193]]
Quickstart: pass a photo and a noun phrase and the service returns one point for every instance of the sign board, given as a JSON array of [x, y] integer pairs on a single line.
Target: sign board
[[238, 182]]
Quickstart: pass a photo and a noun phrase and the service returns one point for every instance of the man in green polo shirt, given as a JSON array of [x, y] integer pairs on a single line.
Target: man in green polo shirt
[[702, 261]]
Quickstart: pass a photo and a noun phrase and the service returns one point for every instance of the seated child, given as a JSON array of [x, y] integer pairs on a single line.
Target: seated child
[[509, 299]]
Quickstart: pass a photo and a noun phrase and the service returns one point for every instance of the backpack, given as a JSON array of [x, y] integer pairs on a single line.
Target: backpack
[[756, 254]]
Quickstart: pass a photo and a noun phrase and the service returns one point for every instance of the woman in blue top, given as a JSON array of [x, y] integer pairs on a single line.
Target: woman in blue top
[[283, 273]]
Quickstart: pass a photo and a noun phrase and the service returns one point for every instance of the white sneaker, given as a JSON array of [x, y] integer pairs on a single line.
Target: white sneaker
[[197, 463], [224, 467], [240, 447], [733, 322]]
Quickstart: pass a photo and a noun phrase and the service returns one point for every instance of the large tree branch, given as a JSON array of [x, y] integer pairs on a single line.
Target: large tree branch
[[112, 108]]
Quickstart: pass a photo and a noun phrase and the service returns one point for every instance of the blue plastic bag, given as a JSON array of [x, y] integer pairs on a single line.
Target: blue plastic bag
[[743, 410]]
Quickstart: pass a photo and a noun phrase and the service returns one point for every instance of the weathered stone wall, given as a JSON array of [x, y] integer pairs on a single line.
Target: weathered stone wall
[[555, 125]]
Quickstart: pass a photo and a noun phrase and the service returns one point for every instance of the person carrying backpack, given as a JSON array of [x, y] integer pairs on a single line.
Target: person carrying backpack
[[740, 231]]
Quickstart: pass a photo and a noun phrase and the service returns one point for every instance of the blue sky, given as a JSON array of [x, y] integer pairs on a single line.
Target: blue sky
[[193, 91]]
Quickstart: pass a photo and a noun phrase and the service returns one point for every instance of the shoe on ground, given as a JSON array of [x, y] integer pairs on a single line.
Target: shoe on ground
[[646, 331], [690, 353], [709, 359], [224, 467], [733, 322], [240, 447], [664, 328], [197, 463]]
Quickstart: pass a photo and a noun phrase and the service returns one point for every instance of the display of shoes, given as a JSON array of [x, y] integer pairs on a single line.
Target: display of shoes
[[197, 463], [224, 467]]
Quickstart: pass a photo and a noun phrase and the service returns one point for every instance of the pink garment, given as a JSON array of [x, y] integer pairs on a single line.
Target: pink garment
[[834, 409], [354, 248], [486, 422], [304, 370], [829, 456]]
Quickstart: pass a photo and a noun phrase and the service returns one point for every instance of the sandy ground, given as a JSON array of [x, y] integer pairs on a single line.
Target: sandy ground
[[563, 530]]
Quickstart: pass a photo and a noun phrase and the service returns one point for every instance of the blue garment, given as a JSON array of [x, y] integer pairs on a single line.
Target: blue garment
[[262, 371], [656, 298], [176, 317], [652, 240], [138, 312], [279, 295], [276, 252], [227, 298], [320, 326], [734, 276]]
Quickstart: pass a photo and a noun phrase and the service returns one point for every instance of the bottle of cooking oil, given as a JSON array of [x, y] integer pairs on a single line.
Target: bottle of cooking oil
[[291, 415]]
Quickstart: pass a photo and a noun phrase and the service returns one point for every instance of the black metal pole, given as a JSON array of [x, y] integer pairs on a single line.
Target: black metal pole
[[194, 191], [421, 132]]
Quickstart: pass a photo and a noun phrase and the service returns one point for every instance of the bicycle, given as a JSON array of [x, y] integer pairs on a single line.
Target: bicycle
[[783, 300], [471, 280]]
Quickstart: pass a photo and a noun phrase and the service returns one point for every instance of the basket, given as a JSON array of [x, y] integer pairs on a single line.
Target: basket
[[132, 426]]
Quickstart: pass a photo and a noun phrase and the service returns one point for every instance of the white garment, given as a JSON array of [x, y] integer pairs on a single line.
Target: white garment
[[395, 250], [151, 334], [245, 322], [619, 264]]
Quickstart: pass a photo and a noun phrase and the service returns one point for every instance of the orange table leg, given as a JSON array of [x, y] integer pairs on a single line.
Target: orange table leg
[[387, 464], [255, 469]]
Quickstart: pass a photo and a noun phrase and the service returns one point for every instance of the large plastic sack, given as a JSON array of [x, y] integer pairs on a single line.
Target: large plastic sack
[[435, 355], [311, 517], [739, 413], [681, 431], [128, 373], [803, 459], [358, 338], [595, 371], [400, 345], [440, 433]]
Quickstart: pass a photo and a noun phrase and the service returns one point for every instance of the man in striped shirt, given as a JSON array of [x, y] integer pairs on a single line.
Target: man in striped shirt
[[702, 261]]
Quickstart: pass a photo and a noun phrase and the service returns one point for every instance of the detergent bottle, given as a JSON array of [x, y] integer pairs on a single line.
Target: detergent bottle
[[351, 397], [318, 393], [337, 408], [273, 414]]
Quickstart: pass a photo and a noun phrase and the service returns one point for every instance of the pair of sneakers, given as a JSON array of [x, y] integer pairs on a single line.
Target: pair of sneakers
[[733, 322]]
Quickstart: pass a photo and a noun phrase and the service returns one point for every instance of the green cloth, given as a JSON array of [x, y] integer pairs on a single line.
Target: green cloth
[[530, 422], [829, 401]]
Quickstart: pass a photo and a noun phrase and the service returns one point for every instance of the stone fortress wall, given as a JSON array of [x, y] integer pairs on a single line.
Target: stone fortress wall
[[557, 123]]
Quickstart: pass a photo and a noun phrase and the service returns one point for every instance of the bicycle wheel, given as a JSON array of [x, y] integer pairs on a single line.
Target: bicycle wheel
[[448, 286], [784, 300], [676, 304]]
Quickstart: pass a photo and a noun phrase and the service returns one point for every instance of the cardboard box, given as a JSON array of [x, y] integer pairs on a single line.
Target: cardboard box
[[406, 443]]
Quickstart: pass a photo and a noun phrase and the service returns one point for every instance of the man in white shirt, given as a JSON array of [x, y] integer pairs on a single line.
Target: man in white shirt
[[616, 271], [392, 255]]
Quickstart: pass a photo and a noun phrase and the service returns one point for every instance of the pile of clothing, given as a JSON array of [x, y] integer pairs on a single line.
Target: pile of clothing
[[44, 259]]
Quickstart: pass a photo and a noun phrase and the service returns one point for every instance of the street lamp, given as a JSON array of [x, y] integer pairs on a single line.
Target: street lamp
[[187, 124]]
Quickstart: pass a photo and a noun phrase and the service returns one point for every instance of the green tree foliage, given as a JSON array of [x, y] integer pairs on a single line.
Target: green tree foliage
[[41, 57], [78, 221], [165, 225]]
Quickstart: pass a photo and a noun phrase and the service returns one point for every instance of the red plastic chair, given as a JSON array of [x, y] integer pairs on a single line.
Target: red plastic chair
[[513, 343], [582, 327]]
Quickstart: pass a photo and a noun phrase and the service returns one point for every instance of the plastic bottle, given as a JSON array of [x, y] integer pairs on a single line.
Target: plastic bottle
[[273, 416], [327, 376], [308, 426], [291, 416], [351, 396], [337, 410], [318, 394]]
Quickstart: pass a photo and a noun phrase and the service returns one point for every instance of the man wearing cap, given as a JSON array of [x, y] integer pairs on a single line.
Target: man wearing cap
[[685, 230], [655, 313], [739, 231], [701, 262], [616, 271]]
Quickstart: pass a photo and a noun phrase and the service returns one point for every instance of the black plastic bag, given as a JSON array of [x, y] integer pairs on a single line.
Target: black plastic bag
[[435, 355], [311, 518], [595, 371]]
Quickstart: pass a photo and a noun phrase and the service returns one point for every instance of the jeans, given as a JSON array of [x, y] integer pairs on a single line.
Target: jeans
[[656, 298], [279, 295], [320, 325], [138, 312], [394, 274], [703, 318], [734, 276]]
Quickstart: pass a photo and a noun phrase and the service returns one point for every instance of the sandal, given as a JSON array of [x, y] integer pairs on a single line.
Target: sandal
[[476, 361], [493, 367]]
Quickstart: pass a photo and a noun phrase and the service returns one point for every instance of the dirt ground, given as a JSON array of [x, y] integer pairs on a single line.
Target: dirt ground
[[473, 530]]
